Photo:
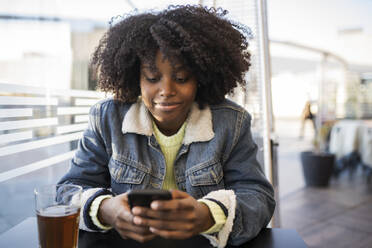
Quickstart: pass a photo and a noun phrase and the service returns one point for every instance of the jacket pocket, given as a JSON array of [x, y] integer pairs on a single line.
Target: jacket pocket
[[209, 173], [126, 172]]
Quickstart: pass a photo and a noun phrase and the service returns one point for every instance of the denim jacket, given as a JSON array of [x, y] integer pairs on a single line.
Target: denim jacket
[[217, 160]]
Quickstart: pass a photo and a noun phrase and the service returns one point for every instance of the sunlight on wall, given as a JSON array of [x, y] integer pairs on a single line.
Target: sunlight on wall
[[35, 53], [290, 91]]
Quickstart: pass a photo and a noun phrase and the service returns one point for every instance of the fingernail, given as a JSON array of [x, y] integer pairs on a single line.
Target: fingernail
[[154, 205], [136, 210], [137, 220]]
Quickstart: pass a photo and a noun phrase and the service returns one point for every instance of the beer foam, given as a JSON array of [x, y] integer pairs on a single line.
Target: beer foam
[[58, 211]]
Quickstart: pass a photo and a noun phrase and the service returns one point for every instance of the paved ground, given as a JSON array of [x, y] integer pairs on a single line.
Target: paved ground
[[336, 216], [290, 146]]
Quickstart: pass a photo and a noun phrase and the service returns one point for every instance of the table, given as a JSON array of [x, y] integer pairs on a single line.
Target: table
[[25, 235]]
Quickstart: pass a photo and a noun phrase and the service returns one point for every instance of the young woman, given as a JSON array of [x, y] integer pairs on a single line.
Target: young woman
[[169, 126]]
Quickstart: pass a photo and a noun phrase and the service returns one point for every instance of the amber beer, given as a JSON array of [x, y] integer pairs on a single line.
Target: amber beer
[[58, 227], [57, 209]]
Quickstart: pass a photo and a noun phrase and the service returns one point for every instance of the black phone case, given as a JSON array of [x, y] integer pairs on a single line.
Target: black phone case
[[144, 197]]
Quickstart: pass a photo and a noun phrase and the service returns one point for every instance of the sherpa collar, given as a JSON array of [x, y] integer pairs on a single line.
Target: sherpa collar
[[199, 123]]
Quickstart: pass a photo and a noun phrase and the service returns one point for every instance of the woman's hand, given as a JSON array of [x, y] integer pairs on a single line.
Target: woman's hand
[[179, 218], [116, 213]]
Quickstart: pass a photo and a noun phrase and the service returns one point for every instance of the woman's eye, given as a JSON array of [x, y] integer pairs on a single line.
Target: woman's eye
[[152, 80], [182, 79]]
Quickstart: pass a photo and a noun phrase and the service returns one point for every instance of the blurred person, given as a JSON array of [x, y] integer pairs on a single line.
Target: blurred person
[[170, 126], [307, 114]]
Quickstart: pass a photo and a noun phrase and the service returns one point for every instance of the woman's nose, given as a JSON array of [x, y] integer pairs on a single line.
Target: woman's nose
[[167, 87]]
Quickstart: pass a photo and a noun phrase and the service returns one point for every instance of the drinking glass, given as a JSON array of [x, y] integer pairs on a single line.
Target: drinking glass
[[58, 210]]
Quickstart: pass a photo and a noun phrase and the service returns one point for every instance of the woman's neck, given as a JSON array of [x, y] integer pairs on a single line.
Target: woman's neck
[[169, 130]]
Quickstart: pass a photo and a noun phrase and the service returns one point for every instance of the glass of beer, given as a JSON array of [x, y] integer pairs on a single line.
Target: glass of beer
[[57, 210]]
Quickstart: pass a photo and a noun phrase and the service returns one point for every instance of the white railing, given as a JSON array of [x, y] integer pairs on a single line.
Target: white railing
[[35, 120]]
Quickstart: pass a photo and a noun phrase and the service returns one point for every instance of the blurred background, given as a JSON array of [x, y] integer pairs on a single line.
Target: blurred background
[[310, 89]]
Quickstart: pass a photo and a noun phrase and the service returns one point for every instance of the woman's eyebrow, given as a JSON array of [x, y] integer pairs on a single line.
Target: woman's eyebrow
[[149, 67], [180, 68]]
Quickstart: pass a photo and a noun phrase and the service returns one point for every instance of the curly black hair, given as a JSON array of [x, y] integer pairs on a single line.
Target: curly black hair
[[212, 47]]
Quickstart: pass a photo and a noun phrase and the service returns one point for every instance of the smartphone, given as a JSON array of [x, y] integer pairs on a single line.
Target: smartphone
[[144, 197]]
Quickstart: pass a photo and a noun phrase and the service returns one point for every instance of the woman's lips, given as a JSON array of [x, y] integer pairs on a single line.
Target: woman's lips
[[167, 106]]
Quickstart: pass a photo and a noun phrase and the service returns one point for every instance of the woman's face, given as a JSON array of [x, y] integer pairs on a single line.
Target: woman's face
[[168, 91]]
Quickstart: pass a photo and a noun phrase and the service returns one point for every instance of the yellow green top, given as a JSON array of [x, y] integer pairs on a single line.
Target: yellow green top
[[170, 145]]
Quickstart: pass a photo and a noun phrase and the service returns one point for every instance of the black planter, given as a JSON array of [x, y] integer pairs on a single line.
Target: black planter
[[317, 168]]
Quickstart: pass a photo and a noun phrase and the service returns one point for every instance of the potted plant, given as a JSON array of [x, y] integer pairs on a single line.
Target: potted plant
[[318, 164]]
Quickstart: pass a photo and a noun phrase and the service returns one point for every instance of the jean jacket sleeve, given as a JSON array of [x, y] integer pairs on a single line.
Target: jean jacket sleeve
[[88, 168], [255, 202], [248, 195]]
